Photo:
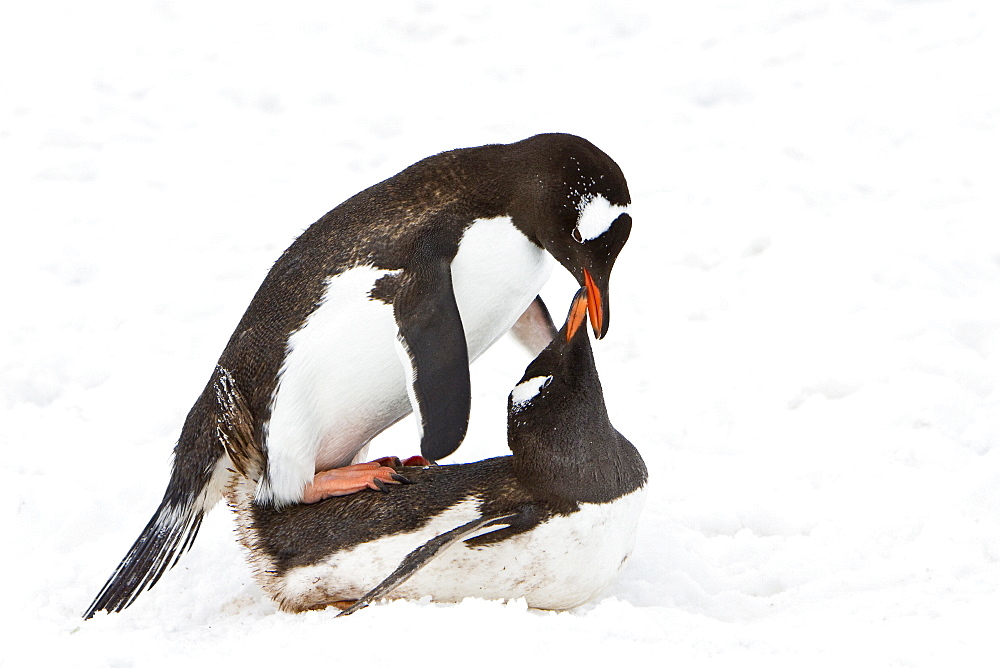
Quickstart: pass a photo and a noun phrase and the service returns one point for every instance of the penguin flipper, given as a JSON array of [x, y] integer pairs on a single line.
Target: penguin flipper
[[436, 355], [423, 555], [534, 329]]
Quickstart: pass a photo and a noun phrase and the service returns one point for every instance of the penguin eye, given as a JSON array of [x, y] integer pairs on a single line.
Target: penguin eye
[[577, 236]]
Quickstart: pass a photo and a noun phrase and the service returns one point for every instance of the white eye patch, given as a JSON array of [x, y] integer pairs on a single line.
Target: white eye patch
[[527, 390], [596, 216]]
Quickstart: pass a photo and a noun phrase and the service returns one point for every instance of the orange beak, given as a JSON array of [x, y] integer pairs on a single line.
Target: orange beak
[[595, 303], [577, 314]]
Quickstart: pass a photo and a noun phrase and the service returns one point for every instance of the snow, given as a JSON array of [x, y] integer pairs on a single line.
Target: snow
[[806, 335]]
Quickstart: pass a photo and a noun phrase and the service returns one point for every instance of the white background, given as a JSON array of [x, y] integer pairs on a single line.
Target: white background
[[805, 330]]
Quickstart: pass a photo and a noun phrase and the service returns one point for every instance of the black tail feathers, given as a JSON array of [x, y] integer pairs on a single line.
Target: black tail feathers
[[168, 535]]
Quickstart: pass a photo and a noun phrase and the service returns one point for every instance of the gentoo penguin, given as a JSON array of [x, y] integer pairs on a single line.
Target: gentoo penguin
[[552, 523], [375, 310]]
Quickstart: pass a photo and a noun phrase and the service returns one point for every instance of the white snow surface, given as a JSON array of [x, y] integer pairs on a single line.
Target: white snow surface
[[805, 341]]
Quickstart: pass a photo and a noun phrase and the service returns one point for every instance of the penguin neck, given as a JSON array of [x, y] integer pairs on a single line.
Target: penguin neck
[[590, 464]]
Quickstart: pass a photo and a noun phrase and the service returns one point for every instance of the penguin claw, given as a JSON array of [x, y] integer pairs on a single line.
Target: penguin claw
[[399, 477], [381, 485]]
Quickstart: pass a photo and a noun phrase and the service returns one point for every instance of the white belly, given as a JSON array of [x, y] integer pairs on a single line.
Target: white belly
[[342, 382], [560, 564], [496, 274]]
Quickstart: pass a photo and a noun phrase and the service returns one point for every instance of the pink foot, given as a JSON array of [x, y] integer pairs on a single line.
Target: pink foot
[[390, 461], [393, 462], [348, 480]]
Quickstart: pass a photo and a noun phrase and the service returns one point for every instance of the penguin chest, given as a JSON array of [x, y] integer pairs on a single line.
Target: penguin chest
[[562, 563], [340, 384], [496, 274]]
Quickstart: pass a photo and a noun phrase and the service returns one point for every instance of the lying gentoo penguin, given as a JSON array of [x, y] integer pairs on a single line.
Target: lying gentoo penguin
[[553, 523], [376, 310]]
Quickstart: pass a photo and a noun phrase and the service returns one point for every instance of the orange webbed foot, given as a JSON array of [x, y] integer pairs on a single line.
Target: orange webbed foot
[[390, 461], [350, 479], [343, 605]]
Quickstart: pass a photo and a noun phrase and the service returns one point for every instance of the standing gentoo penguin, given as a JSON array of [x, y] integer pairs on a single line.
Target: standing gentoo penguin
[[554, 523], [375, 310]]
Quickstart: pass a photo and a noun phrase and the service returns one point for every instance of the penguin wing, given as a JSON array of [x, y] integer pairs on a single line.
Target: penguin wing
[[424, 554], [534, 329], [437, 357]]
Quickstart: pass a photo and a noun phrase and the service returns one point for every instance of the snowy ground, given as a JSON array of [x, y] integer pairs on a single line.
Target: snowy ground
[[805, 342]]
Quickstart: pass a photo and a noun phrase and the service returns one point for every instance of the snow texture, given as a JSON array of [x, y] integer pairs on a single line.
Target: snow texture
[[806, 335]]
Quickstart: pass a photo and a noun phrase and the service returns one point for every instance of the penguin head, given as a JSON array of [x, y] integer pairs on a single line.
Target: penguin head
[[577, 210], [560, 389], [565, 449]]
